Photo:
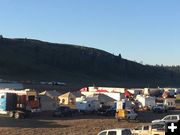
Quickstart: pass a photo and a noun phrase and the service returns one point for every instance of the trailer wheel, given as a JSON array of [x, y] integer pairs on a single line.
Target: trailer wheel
[[11, 114], [17, 115]]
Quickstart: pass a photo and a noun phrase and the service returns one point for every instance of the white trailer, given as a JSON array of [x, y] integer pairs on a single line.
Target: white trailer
[[170, 103], [146, 101], [88, 106]]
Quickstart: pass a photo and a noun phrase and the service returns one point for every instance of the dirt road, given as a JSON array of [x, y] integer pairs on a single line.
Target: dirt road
[[45, 124]]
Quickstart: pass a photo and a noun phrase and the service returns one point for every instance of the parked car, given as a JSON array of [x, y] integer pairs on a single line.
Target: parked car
[[159, 108], [63, 111], [110, 112], [168, 118], [119, 131], [106, 111]]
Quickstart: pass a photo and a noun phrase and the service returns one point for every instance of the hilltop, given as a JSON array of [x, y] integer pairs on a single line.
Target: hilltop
[[31, 59]]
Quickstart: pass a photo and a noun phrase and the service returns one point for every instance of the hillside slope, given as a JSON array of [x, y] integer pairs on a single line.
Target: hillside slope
[[37, 60]]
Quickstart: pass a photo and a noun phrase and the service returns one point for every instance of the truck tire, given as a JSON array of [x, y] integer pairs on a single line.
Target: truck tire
[[11, 114], [17, 115]]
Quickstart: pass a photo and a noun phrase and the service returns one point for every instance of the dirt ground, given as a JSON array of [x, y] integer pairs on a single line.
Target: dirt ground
[[45, 124]]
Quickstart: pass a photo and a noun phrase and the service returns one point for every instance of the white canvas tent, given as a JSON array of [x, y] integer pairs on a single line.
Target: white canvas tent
[[115, 96], [49, 100]]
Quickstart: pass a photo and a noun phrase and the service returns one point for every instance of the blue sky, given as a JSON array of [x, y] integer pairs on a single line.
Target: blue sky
[[141, 30]]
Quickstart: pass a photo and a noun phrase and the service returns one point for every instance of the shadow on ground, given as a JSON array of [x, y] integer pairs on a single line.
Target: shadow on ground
[[46, 120], [29, 123], [142, 116]]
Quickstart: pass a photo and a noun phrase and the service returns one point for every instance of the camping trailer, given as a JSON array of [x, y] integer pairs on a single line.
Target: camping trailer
[[146, 101], [170, 103], [87, 106]]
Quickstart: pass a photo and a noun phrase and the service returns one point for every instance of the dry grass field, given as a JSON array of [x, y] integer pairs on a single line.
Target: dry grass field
[[77, 126], [45, 124]]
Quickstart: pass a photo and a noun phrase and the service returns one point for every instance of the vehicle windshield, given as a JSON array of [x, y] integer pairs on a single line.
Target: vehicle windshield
[[167, 118], [126, 132], [138, 128], [160, 105]]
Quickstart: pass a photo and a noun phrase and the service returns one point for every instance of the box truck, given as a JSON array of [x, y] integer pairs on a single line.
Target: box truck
[[19, 103]]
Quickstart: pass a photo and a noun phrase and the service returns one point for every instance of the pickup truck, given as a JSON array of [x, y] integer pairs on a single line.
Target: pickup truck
[[152, 129], [118, 131], [160, 108], [168, 118], [125, 114], [64, 111]]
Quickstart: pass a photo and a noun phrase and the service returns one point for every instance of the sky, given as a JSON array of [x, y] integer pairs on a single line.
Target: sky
[[145, 31]]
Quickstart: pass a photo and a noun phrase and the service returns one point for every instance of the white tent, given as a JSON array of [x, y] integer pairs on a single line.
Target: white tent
[[49, 100]]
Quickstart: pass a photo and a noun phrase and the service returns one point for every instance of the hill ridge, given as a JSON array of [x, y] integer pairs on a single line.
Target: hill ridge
[[35, 59]]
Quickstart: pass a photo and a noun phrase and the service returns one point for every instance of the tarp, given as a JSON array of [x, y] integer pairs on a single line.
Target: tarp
[[128, 94]]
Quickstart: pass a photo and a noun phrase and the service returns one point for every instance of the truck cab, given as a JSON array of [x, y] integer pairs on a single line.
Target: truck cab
[[18, 103], [119, 131], [152, 129]]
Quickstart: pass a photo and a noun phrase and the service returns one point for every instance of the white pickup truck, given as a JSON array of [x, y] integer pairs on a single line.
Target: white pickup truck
[[152, 129], [118, 131], [168, 118]]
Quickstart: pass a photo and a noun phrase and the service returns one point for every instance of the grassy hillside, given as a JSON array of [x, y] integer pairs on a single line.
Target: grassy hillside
[[37, 60]]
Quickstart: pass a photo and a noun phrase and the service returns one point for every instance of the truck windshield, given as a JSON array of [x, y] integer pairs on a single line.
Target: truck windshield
[[31, 98], [146, 127], [126, 132], [103, 133], [112, 133], [167, 118]]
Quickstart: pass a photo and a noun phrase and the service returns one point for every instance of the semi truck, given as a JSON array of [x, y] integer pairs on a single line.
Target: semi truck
[[18, 103]]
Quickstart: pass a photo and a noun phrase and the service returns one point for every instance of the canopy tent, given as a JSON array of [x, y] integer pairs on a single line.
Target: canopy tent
[[67, 99]]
